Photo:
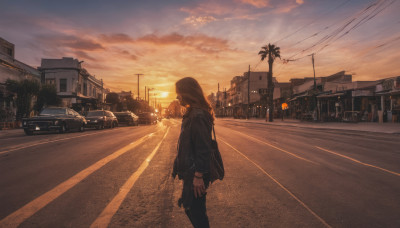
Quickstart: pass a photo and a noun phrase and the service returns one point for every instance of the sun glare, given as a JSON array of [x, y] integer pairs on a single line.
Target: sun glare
[[164, 94]]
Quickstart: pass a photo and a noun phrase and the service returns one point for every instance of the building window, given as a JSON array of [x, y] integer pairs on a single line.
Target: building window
[[85, 88], [260, 77], [50, 81], [63, 85], [9, 52]]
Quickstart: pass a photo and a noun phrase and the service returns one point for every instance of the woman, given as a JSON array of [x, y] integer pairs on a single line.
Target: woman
[[192, 163]]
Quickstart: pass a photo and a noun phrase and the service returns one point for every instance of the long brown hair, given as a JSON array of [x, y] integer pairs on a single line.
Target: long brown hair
[[192, 94]]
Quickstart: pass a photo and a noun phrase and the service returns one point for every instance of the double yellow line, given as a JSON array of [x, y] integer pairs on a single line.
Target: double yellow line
[[19, 216]]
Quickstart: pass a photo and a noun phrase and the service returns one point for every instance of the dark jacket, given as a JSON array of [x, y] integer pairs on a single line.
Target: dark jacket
[[194, 148]]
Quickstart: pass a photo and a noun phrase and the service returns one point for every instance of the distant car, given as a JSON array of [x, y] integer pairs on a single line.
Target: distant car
[[128, 118], [147, 118], [54, 119], [101, 119]]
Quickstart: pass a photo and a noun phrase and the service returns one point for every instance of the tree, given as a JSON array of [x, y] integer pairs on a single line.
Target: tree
[[25, 91], [132, 104], [47, 97], [271, 51], [175, 109], [113, 99]]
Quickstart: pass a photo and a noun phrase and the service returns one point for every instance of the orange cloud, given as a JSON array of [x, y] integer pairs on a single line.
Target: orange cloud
[[257, 3], [286, 8], [198, 21], [199, 42], [211, 8], [116, 38], [70, 41]]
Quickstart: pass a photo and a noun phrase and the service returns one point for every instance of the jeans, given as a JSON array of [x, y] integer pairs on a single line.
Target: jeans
[[197, 213]]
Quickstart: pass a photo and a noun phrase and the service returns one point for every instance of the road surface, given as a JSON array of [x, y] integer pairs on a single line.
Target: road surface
[[276, 176]]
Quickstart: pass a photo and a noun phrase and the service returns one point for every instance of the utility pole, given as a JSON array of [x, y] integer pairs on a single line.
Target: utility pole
[[315, 83], [148, 95], [138, 94], [316, 110], [217, 105], [248, 95]]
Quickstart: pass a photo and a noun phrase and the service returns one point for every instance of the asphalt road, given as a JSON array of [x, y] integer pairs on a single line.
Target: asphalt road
[[276, 176]]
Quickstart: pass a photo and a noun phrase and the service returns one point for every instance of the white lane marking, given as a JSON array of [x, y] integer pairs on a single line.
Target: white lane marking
[[104, 219], [357, 161], [20, 215], [280, 185], [50, 141], [285, 151]]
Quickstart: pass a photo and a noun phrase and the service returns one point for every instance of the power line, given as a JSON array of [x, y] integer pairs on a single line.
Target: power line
[[351, 24], [323, 14]]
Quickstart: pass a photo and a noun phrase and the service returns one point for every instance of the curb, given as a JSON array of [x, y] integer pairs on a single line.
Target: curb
[[300, 125]]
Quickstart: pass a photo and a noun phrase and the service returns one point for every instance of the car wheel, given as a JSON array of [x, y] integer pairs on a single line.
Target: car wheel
[[63, 128], [82, 128], [28, 132]]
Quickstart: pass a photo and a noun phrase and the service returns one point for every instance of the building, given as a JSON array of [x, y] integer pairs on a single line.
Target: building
[[75, 85], [313, 99], [124, 94], [10, 68], [247, 96]]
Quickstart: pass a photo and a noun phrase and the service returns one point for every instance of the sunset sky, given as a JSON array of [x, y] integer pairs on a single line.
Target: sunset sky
[[211, 41]]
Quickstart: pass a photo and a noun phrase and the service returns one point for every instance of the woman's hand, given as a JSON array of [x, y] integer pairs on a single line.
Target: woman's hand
[[198, 185]]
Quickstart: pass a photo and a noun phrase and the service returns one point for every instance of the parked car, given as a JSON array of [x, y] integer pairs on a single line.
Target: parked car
[[101, 119], [147, 118], [128, 118], [54, 119]]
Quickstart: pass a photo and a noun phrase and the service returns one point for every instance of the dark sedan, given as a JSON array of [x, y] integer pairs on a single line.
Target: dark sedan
[[128, 118], [147, 118], [54, 119], [101, 119]]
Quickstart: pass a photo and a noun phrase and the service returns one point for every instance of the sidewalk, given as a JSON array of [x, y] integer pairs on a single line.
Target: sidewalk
[[389, 128]]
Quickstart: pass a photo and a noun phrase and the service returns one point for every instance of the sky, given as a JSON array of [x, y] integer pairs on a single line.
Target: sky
[[210, 40]]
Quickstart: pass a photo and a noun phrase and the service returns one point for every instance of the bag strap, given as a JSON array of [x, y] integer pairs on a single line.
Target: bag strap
[[215, 138]]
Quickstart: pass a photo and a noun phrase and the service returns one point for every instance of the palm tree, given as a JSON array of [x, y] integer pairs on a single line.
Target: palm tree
[[272, 52]]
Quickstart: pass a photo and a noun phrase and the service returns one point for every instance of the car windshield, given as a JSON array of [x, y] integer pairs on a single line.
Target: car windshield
[[95, 113], [53, 111]]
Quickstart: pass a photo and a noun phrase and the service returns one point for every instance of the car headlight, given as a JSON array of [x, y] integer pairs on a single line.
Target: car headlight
[[95, 121]]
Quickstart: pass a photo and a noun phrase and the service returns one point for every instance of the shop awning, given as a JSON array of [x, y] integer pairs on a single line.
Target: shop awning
[[299, 96], [330, 95], [392, 92]]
